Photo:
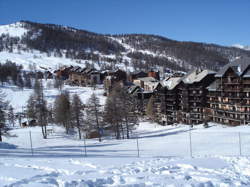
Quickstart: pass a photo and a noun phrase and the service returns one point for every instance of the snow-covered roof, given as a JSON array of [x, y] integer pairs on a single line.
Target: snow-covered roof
[[239, 66], [196, 75], [171, 82]]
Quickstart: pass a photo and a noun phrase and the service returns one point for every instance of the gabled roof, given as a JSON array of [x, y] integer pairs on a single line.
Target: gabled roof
[[239, 66], [171, 82], [196, 75]]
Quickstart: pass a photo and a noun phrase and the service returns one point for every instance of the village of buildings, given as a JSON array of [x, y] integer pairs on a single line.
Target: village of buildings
[[197, 97]]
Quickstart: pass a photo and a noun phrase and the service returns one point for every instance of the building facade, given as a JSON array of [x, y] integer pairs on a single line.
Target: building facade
[[229, 94]]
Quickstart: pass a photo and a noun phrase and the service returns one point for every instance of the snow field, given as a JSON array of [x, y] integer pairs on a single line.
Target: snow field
[[61, 161]]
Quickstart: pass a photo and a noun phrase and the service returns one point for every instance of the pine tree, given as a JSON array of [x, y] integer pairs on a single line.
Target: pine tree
[[11, 116], [120, 112], [37, 107], [27, 80], [58, 83], [77, 114], [20, 82], [31, 107], [112, 115], [94, 117], [62, 111], [2, 115]]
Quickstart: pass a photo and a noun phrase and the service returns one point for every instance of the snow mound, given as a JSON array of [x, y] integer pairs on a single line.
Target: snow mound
[[4, 145]]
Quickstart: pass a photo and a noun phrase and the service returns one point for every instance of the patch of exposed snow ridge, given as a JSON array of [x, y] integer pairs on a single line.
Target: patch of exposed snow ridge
[[242, 47], [13, 30]]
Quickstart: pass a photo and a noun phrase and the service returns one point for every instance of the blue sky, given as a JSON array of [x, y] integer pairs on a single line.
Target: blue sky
[[224, 22]]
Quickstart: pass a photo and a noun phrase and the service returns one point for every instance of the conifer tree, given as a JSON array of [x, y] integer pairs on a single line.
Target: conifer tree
[[62, 111], [37, 107], [77, 114], [94, 117], [2, 115], [11, 116]]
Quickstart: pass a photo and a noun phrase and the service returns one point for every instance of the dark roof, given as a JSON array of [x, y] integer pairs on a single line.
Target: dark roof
[[239, 66], [247, 73]]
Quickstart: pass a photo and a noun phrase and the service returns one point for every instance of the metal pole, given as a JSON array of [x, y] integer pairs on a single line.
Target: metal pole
[[240, 144], [85, 149], [31, 146], [137, 143], [190, 143]]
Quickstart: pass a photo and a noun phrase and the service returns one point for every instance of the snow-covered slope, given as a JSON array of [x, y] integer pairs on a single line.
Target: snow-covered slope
[[60, 160], [18, 98], [13, 30], [40, 60], [66, 46]]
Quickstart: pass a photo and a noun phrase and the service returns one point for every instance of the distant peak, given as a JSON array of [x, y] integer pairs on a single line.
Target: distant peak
[[242, 46]]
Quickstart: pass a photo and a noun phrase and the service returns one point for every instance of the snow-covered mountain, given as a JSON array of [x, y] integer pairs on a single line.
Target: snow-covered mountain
[[49, 46], [242, 47]]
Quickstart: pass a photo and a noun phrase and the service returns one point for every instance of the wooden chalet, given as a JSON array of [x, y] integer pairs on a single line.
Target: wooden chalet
[[229, 94], [84, 76], [63, 73]]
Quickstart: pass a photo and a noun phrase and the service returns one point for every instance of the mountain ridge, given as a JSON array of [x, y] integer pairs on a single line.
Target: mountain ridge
[[105, 51]]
